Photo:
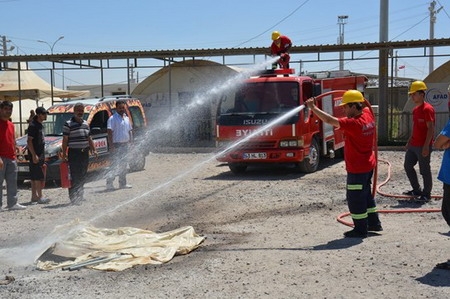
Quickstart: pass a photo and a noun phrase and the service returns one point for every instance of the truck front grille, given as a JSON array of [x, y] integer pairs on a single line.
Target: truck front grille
[[257, 144]]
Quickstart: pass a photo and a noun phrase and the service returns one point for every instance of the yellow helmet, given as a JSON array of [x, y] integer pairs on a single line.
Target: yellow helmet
[[352, 96], [275, 35], [416, 86]]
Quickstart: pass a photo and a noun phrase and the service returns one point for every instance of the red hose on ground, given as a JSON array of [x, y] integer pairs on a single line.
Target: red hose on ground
[[387, 180], [397, 211], [421, 210]]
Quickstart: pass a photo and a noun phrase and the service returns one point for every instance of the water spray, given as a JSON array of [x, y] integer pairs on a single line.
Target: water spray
[[26, 255]]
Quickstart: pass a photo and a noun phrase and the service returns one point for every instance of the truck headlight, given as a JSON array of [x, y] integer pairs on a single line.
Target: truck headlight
[[288, 143]]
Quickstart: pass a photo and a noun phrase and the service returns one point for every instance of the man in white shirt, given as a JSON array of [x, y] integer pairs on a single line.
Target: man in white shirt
[[119, 137]]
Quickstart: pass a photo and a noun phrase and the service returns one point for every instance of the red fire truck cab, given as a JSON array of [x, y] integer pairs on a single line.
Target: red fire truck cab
[[245, 113]]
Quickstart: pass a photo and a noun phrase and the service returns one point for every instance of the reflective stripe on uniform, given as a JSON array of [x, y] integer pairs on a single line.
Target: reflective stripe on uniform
[[359, 216], [354, 187], [372, 210]]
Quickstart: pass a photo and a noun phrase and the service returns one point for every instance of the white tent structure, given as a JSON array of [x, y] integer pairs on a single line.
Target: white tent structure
[[169, 95], [22, 83], [29, 91]]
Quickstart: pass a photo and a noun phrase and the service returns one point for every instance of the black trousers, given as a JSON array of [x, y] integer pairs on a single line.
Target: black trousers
[[446, 203], [78, 163], [360, 201]]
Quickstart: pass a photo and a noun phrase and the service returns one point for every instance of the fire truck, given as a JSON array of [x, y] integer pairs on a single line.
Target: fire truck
[[245, 136]]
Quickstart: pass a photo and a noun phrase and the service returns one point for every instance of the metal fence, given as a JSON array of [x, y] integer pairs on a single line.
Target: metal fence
[[400, 125]]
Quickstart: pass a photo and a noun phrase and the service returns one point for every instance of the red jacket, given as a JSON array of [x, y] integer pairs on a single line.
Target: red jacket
[[283, 48], [7, 144]]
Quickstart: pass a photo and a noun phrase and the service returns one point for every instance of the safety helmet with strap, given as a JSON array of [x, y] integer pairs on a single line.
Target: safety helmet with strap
[[275, 35], [352, 96], [416, 86]]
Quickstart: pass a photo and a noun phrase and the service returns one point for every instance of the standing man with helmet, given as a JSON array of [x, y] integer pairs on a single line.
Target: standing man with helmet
[[418, 148], [280, 47], [359, 129]]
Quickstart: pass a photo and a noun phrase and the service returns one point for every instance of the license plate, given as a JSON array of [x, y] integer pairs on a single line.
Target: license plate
[[251, 156], [24, 169]]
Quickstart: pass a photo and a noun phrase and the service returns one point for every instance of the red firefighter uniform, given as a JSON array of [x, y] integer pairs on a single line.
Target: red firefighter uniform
[[280, 47]]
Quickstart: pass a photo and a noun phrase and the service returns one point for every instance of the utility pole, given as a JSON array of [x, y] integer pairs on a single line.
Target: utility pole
[[342, 20], [383, 64], [52, 71], [5, 48], [433, 14], [396, 65]]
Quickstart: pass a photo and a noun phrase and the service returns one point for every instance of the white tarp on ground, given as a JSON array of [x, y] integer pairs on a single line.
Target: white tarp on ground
[[131, 246]]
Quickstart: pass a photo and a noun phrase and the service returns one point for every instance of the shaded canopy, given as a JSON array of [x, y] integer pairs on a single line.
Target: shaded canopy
[[31, 86]]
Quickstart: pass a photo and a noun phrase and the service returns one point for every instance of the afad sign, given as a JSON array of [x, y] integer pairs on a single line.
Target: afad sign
[[438, 96]]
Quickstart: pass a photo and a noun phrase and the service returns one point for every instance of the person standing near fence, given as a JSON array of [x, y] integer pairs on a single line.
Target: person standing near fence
[[418, 148], [76, 145]]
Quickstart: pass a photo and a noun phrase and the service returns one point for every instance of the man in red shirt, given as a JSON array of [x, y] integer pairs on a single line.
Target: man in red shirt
[[418, 148], [359, 128], [280, 47], [8, 164]]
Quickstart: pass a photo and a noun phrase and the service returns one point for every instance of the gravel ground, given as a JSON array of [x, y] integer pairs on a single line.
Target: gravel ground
[[270, 233]]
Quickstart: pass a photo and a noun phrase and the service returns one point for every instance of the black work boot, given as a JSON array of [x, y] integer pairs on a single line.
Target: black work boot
[[374, 223], [360, 230]]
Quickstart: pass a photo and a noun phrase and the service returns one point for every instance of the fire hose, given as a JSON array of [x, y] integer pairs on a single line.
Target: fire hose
[[377, 188]]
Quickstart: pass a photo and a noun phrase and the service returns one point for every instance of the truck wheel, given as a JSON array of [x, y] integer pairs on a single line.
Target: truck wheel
[[137, 164], [311, 162], [237, 168]]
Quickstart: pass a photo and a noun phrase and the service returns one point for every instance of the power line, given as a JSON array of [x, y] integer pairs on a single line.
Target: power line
[[443, 9], [273, 26]]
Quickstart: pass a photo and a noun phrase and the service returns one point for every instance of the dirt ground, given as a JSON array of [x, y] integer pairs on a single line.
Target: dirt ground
[[270, 233]]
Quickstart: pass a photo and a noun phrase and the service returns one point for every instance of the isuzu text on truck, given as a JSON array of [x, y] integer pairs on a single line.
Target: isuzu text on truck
[[300, 139]]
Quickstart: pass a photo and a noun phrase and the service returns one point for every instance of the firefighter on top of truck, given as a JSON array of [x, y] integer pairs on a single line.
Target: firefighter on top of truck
[[280, 47], [360, 160]]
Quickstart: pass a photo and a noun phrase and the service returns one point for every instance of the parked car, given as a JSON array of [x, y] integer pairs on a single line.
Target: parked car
[[97, 112]]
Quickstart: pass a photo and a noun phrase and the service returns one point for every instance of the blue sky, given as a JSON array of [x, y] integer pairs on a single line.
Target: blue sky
[[116, 25]]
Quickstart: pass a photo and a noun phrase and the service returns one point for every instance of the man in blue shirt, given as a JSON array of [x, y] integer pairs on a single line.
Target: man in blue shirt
[[443, 142]]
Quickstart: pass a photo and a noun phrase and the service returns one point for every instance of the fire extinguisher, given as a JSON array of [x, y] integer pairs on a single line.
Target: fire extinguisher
[[64, 170]]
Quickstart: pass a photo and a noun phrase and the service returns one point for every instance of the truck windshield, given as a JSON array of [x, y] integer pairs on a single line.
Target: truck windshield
[[260, 98], [55, 122]]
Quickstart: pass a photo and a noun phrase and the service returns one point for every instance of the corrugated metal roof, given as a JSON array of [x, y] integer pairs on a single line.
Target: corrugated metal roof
[[190, 53]]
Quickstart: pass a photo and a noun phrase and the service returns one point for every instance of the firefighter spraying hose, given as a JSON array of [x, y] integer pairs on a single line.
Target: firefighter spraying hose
[[338, 93], [360, 159], [280, 47], [376, 187]]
